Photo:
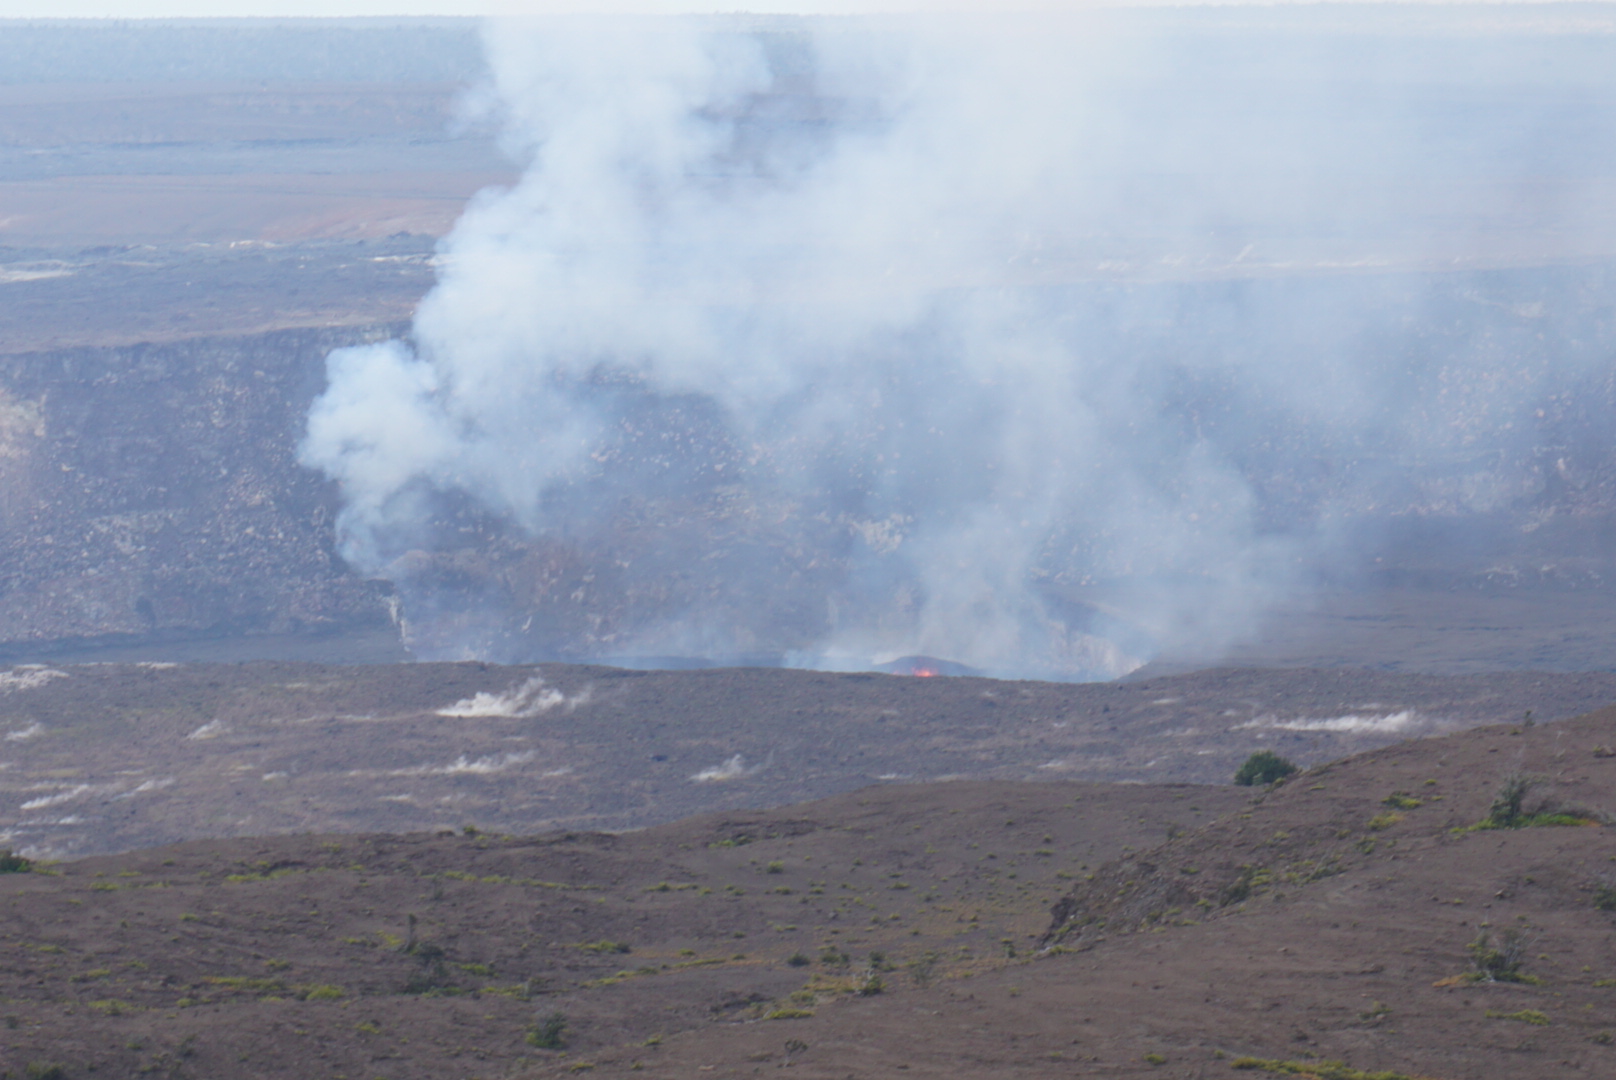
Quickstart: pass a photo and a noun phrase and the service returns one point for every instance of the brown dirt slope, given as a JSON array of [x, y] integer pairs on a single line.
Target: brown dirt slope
[[1325, 920], [434, 956]]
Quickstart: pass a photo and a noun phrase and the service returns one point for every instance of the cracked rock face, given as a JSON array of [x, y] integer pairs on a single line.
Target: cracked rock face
[[152, 490]]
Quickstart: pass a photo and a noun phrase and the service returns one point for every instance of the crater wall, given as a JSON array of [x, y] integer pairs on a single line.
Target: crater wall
[[151, 490]]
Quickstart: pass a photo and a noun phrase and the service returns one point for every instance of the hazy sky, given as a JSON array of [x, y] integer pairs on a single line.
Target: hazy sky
[[213, 8], [33, 9]]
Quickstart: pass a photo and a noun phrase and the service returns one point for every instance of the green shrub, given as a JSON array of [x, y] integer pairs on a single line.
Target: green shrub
[[1505, 812], [430, 973], [1605, 897], [548, 1035], [13, 864], [44, 1070], [1500, 963], [1252, 879], [798, 959], [1263, 767]]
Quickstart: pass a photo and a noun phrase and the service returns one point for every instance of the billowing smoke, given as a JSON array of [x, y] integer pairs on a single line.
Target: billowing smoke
[[1020, 343]]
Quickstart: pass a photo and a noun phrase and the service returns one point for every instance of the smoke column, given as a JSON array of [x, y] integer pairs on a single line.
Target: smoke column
[[832, 341]]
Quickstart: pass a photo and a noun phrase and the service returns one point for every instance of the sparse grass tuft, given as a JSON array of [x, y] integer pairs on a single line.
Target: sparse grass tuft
[[1525, 1016], [923, 968]]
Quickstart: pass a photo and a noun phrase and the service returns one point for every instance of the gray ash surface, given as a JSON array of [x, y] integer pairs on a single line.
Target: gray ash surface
[[112, 757]]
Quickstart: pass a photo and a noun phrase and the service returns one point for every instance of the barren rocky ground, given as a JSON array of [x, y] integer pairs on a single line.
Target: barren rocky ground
[[110, 757]]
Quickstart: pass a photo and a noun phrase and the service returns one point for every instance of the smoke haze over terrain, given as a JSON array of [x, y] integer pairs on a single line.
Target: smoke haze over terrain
[[1039, 344]]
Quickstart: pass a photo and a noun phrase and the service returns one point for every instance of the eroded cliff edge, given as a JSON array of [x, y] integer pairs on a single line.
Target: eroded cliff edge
[[152, 490]]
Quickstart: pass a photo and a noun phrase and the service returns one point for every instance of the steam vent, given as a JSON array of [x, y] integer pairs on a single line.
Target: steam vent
[[1121, 402]]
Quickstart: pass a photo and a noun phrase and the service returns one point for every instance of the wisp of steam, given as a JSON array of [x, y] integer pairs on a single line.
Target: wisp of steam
[[825, 342]]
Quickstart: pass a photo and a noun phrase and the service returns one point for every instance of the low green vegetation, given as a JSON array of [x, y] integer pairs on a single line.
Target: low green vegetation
[[1264, 767], [245, 984], [788, 1014], [1508, 808], [11, 863], [832, 957], [1314, 1070], [1525, 1016], [1250, 880]]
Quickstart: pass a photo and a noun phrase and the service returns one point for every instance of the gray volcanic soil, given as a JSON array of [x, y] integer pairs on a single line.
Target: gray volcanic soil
[[111, 757]]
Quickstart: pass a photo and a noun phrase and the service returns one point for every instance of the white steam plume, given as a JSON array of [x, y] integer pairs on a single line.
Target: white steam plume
[[532, 698], [766, 354]]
